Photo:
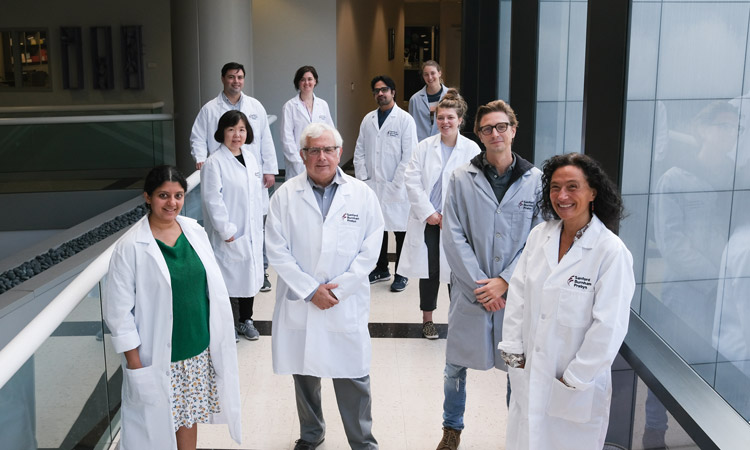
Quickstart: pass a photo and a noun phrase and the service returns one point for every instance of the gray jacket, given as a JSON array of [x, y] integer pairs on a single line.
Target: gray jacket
[[484, 239]]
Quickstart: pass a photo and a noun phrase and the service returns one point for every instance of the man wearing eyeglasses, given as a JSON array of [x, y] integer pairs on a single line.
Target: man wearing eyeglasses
[[323, 236], [386, 139], [490, 208]]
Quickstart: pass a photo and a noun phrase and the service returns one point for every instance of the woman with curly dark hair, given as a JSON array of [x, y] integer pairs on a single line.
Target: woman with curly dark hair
[[567, 311]]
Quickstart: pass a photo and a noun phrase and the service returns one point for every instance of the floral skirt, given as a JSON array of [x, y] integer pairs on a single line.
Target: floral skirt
[[194, 395]]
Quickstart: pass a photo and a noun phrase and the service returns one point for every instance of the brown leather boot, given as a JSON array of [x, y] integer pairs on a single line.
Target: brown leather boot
[[451, 439]]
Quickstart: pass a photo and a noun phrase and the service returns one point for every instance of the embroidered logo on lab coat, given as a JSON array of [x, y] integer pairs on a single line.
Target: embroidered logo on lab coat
[[349, 217], [579, 282], [393, 133], [526, 205], [322, 117], [253, 117]]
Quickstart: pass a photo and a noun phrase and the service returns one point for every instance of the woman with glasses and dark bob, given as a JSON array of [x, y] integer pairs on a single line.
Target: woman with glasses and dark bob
[[168, 310], [299, 112], [567, 311], [231, 192]]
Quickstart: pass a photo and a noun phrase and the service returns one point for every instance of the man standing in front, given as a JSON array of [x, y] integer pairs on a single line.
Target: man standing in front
[[386, 139], [490, 208], [323, 235], [202, 142]]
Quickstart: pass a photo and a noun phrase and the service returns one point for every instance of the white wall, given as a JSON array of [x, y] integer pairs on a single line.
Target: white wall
[[288, 34], [52, 14]]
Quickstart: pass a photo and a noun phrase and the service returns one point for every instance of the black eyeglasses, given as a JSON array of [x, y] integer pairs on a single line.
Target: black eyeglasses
[[376, 91], [501, 127], [315, 151]]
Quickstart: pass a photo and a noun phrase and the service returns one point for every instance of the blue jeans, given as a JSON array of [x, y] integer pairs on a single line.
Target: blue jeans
[[454, 387]]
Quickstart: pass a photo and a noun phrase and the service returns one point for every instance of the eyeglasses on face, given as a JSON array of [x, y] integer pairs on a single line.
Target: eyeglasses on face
[[377, 91], [501, 127], [315, 151]]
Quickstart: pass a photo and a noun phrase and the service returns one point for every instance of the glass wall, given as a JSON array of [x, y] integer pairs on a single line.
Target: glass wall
[[686, 185], [561, 58]]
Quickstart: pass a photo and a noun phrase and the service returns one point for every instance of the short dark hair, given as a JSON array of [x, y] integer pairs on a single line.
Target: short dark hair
[[385, 79], [232, 66], [494, 106], [160, 175], [230, 119], [301, 72], [608, 205]]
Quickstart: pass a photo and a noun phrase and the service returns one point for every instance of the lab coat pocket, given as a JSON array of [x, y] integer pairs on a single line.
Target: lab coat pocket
[[574, 308], [239, 249], [342, 318], [393, 193], [294, 314], [141, 386], [348, 240], [570, 404], [521, 224]]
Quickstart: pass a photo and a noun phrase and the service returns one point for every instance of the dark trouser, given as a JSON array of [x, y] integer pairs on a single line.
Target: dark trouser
[[428, 287], [242, 309], [354, 401], [383, 259]]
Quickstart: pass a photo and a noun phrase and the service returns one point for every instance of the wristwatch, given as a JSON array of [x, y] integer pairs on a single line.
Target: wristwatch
[[514, 360]]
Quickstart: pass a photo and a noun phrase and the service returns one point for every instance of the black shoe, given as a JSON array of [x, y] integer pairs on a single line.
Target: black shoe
[[266, 284], [301, 444], [379, 275], [399, 283]]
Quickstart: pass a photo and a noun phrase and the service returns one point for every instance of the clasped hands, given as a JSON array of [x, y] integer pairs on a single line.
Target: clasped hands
[[491, 294], [324, 297]]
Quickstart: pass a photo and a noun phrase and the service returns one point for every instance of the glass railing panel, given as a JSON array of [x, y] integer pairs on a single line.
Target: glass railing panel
[[61, 397], [82, 146]]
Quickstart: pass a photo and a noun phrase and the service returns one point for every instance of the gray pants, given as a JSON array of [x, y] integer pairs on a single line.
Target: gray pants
[[353, 398]]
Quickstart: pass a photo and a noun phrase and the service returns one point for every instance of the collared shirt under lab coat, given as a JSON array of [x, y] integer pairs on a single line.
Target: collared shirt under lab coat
[[137, 307], [294, 118], [380, 160], [569, 318], [202, 142], [232, 199], [425, 168], [419, 108], [483, 239], [306, 252]]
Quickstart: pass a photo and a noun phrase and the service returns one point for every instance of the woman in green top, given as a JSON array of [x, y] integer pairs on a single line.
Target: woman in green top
[[169, 312]]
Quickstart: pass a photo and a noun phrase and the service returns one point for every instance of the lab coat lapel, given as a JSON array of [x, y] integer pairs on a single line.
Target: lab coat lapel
[[551, 247], [481, 182], [146, 238], [305, 190], [339, 201]]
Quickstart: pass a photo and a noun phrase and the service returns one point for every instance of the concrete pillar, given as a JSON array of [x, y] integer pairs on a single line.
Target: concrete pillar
[[206, 34]]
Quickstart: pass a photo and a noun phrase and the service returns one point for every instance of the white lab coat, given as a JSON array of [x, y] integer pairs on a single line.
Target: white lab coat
[[482, 239], [307, 252], [419, 108], [380, 160], [137, 307], [294, 119], [202, 142], [232, 200], [424, 169], [569, 318]]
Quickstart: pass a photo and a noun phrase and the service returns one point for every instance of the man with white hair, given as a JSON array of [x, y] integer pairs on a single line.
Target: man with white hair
[[323, 237]]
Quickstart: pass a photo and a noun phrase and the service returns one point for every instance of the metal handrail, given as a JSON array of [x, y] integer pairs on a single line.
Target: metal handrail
[[35, 333], [85, 119], [74, 108]]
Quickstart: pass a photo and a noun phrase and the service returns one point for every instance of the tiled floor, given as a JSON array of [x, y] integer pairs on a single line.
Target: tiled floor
[[407, 389]]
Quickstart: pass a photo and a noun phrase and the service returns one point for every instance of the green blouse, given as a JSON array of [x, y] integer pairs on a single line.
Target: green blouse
[[190, 335]]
